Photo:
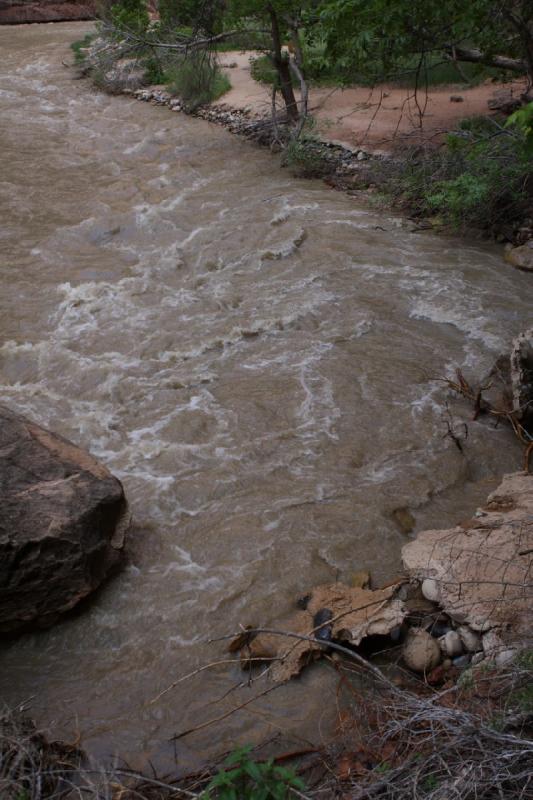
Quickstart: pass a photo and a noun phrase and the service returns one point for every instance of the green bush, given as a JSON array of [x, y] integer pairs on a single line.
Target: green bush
[[263, 70], [197, 81], [482, 176], [79, 46], [130, 15], [154, 71], [305, 158], [244, 779]]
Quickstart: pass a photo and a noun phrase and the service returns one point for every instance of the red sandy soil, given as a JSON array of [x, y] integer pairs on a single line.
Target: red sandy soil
[[378, 119]]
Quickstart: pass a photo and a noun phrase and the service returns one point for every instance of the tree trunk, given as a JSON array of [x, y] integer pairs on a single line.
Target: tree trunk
[[297, 65], [283, 69], [478, 57]]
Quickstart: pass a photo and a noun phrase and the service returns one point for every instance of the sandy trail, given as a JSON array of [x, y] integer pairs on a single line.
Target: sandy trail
[[376, 119]]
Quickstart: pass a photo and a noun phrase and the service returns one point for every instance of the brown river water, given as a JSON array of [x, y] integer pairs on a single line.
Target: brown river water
[[255, 358]]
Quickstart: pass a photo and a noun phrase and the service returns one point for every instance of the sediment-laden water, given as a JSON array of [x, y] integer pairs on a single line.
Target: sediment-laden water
[[254, 356]]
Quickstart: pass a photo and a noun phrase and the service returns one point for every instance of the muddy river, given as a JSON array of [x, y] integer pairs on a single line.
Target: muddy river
[[255, 357]]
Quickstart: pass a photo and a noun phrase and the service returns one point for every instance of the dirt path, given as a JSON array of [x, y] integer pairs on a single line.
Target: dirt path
[[375, 119]]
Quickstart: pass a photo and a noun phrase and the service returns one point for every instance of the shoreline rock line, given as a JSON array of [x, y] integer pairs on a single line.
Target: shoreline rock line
[[465, 598]]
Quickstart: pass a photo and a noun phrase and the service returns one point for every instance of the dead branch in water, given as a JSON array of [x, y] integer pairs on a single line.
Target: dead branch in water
[[482, 406]]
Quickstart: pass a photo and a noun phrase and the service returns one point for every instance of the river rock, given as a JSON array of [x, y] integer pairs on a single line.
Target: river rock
[[521, 257], [63, 517], [421, 652], [471, 640], [451, 644], [430, 590]]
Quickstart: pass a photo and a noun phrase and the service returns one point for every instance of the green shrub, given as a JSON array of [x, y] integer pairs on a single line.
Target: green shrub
[[79, 46], [130, 15], [263, 70], [482, 177], [197, 81], [154, 71], [244, 779], [305, 158]]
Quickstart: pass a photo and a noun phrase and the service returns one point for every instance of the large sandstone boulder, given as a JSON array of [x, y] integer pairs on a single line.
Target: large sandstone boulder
[[521, 257], [13, 12], [63, 517], [482, 569]]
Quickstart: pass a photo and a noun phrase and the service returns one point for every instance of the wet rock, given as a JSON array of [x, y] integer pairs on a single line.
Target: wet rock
[[438, 675], [471, 640], [396, 634], [63, 518], [404, 520], [350, 615], [286, 656], [450, 644], [521, 257], [421, 652], [358, 612], [320, 626]]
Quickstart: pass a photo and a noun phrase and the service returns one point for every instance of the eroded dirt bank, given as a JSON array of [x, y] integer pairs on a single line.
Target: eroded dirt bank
[[16, 12]]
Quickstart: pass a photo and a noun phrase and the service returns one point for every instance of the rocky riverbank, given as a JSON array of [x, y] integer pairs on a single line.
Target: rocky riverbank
[[359, 170]]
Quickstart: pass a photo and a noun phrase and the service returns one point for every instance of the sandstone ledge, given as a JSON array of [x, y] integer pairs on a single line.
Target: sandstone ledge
[[480, 571]]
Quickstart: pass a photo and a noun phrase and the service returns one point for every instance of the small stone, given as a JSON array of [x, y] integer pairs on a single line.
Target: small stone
[[505, 657], [492, 644], [421, 652], [447, 663], [461, 662], [322, 630], [451, 644], [430, 590], [456, 98], [437, 676], [471, 641], [361, 155], [478, 658], [437, 629], [396, 634]]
